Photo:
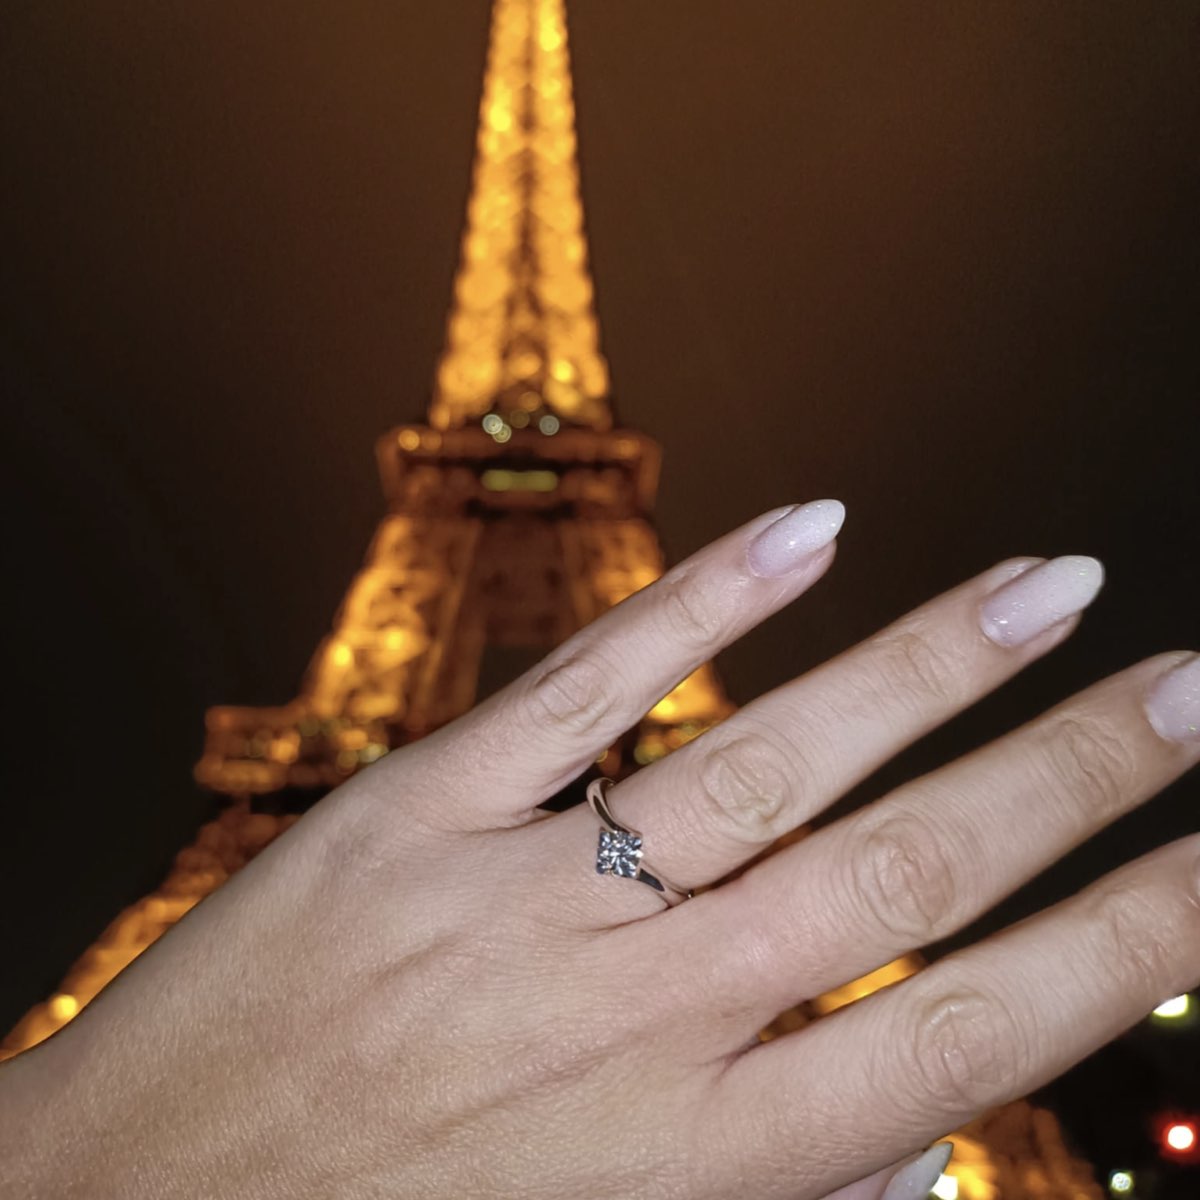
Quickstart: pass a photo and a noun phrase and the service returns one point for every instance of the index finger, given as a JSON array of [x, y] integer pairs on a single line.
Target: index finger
[[522, 744]]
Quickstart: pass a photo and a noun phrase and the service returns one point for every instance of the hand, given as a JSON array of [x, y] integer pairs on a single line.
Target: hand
[[425, 990]]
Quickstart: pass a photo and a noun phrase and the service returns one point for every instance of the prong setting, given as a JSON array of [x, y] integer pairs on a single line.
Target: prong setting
[[619, 853]]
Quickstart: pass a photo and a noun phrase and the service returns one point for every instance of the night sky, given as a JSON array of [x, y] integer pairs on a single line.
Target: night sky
[[938, 260]]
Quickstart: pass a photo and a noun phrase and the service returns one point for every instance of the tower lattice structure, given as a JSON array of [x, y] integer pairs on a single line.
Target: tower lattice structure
[[517, 513]]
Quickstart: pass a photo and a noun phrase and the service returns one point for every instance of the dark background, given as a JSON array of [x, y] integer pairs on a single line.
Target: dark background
[[938, 260]]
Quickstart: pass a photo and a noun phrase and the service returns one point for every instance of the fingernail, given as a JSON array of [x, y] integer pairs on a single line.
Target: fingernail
[[1041, 597], [916, 1181], [800, 532], [1173, 703]]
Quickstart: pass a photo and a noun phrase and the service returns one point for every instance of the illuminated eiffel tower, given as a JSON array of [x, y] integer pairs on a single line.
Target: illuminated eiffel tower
[[518, 513]]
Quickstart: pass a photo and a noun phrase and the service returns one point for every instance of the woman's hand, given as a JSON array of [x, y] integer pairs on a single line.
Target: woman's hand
[[425, 989]]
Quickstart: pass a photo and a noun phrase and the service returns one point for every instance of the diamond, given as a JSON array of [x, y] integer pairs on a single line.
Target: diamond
[[618, 854]]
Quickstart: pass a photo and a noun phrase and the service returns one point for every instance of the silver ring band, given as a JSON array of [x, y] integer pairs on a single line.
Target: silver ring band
[[619, 851]]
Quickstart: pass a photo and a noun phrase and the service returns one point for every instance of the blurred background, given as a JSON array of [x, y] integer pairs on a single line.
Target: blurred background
[[940, 261]]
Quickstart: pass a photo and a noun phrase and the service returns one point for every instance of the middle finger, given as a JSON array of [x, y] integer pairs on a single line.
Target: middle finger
[[925, 860], [717, 802]]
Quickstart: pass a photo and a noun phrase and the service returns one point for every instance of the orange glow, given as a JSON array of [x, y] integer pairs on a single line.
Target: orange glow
[[889, 973], [222, 847]]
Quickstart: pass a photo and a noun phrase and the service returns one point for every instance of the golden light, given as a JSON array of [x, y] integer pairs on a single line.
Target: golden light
[[63, 1007], [396, 639], [857, 989], [498, 479], [524, 314], [1120, 1183], [221, 847], [500, 118], [1173, 1009]]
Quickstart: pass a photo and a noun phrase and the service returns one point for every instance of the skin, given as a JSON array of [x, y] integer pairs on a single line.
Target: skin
[[424, 990]]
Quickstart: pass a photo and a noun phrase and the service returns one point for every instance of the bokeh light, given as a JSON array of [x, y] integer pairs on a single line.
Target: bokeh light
[[1180, 1136], [1174, 1009]]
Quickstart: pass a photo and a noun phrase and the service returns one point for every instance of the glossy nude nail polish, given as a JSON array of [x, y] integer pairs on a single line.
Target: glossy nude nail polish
[[795, 536], [1173, 702], [1040, 598], [915, 1181]]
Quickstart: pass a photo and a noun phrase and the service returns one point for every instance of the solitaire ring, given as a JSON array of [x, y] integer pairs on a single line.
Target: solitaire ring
[[620, 849]]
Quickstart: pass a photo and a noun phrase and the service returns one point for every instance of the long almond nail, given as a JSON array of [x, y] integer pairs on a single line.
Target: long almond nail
[[1039, 598], [797, 535], [916, 1181], [1173, 703]]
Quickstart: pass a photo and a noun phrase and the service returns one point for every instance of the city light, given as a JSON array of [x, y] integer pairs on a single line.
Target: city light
[[1120, 1183], [1173, 1009], [1180, 1136]]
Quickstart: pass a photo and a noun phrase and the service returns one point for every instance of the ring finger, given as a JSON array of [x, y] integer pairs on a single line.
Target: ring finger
[[717, 802]]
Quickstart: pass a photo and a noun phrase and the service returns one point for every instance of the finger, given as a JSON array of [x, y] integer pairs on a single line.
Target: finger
[[977, 1029], [934, 854], [911, 1178], [725, 797], [522, 744]]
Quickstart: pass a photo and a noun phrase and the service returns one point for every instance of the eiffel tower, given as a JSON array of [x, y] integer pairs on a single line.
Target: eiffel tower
[[517, 513]]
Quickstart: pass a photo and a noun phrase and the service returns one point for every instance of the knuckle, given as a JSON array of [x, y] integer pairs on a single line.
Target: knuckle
[[744, 788], [1135, 935], [689, 615], [574, 696], [966, 1049], [908, 879], [919, 668], [1088, 762]]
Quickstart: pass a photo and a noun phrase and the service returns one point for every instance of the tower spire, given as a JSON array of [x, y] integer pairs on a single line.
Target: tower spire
[[522, 343]]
